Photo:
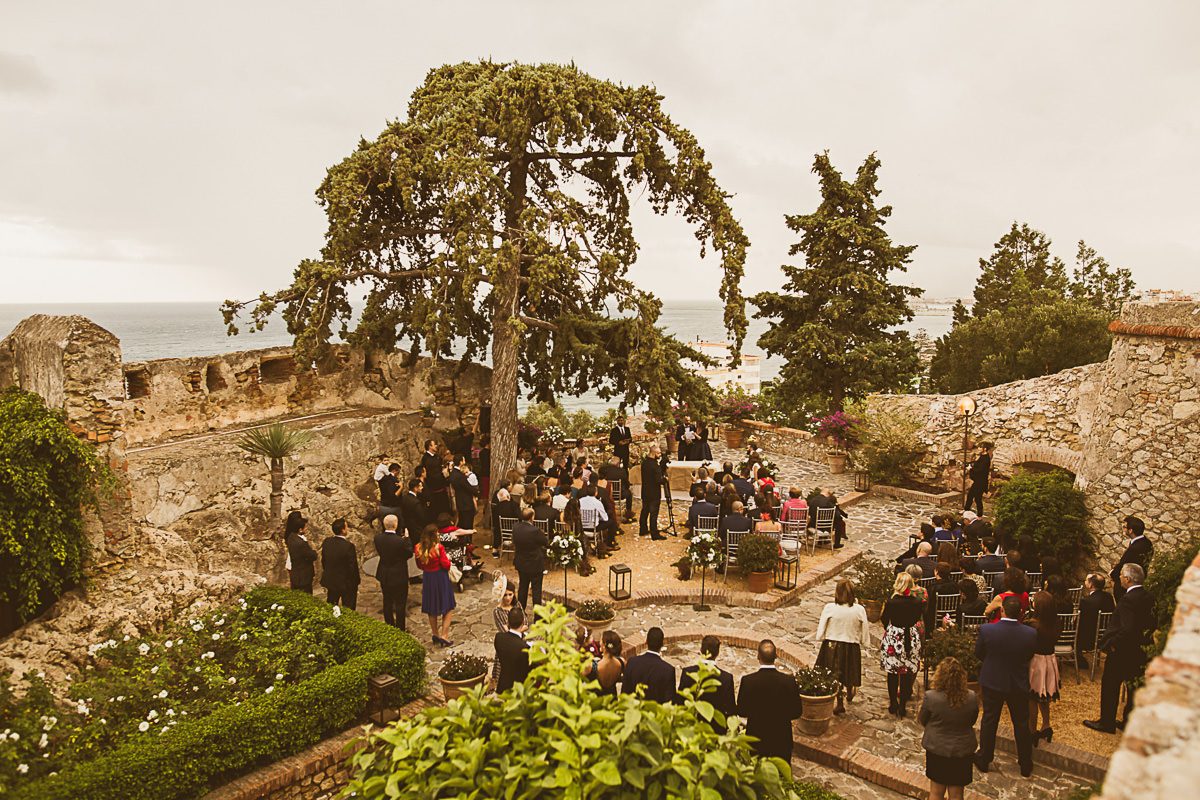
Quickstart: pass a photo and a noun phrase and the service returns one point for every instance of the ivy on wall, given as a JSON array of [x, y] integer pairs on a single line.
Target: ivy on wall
[[47, 477]]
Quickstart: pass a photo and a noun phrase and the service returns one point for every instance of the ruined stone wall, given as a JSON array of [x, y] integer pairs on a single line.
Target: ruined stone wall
[[172, 398], [777, 440], [1157, 756]]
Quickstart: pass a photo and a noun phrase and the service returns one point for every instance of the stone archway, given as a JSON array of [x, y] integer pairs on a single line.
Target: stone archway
[[1040, 457]]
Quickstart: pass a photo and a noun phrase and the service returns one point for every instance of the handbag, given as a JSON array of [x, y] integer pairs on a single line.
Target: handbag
[[455, 574]]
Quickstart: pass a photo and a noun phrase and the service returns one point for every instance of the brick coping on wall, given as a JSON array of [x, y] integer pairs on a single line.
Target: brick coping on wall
[[900, 493]]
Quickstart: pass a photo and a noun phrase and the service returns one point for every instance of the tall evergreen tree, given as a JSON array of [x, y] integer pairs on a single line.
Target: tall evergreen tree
[[1029, 317], [836, 319], [497, 216]]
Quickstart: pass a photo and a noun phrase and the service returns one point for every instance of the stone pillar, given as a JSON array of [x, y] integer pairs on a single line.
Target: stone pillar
[[75, 366], [1142, 447]]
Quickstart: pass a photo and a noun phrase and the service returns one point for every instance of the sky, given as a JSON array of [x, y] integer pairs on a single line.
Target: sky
[[169, 152]]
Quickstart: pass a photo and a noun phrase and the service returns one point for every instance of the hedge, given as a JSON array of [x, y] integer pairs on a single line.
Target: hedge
[[200, 754]]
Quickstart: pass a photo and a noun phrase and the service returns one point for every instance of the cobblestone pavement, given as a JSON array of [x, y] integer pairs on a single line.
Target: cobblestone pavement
[[880, 525]]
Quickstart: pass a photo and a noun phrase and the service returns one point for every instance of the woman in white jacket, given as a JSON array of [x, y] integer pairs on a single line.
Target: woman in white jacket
[[843, 632]]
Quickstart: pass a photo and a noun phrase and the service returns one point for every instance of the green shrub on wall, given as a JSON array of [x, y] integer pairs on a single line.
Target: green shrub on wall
[[47, 477], [889, 448], [1162, 581], [1048, 508], [555, 736], [197, 753]]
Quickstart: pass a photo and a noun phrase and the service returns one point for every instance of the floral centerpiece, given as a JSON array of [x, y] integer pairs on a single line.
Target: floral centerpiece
[[461, 672], [819, 689], [595, 615], [565, 550], [704, 550]]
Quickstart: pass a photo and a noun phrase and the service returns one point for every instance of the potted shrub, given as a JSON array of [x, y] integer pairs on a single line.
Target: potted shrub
[[950, 641], [734, 405], [873, 582], [757, 555], [839, 430], [461, 673], [818, 691], [595, 615]]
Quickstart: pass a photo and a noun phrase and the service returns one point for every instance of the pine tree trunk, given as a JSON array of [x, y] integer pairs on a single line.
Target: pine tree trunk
[[506, 345]]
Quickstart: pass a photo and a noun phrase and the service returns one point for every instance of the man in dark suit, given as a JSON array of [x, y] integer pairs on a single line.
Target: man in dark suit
[[1094, 602], [613, 471], [619, 438], [649, 670], [735, 520], [512, 651], [769, 700], [1137, 552], [722, 698], [543, 510], [339, 567], [413, 512], [435, 491], [389, 493], [529, 557], [980, 473], [704, 507], [1132, 629], [394, 552], [652, 489], [924, 559], [1004, 651], [989, 561], [743, 485], [825, 499]]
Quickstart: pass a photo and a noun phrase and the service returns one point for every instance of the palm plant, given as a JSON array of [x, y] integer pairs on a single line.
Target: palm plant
[[275, 443]]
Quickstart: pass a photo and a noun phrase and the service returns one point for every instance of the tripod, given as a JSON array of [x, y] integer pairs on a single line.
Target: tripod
[[666, 487]]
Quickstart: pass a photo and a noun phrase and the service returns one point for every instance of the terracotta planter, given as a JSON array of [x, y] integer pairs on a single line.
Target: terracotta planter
[[595, 627], [874, 610], [453, 689], [837, 462], [759, 582], [816, 714], [734, 435]]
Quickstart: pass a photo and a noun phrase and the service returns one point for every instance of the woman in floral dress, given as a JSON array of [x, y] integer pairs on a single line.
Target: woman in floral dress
[[900, 650]]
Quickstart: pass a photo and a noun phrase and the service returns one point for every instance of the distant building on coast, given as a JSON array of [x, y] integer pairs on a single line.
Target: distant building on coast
[[745, 375], [1165, 296]]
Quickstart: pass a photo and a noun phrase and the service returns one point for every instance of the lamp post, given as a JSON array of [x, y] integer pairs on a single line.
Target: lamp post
[[966, 407]]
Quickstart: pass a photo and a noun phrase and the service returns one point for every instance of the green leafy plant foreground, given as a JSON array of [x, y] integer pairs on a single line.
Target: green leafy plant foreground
[[156, 721], [47, 477], [555, 736], [946, 642]]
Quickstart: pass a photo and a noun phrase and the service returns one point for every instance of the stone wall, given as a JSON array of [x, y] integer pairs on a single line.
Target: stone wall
[[1157, 756], [790, 442]]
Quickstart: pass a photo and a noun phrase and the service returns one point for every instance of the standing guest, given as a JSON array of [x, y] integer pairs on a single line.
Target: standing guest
[[529, 557], [843, 632], [685, 434], [1004, 650], [413, 512], [301, 558], [339, 567], [508, 508], [436, 495], [609, 667], [652, 489], [394, 552], [485, 466], [1138, 551], [619, 439], [769, 700], [703, 450], [512, 651], [980, 473], [722, 697], [466, 489], [948, 713], [1131, 630], [649, 670], [437, 595], [507, 601], [389, 492], [1043, 668], [970, 604], [1031, 559], [900, 649], [1094, 602]]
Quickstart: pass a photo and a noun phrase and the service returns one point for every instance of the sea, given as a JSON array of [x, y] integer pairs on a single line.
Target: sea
[[174, 330]]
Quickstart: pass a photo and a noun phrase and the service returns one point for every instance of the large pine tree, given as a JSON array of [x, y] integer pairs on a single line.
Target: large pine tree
[[836, 319], [496, 216]]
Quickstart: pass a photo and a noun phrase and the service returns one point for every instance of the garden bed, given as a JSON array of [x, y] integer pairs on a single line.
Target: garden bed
[[172, 715], [922, 493]]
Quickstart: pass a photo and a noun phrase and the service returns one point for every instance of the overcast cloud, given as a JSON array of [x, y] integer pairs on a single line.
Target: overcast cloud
[[163, 151]]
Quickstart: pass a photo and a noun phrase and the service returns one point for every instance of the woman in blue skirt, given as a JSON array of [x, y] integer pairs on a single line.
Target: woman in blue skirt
[[437, 595]]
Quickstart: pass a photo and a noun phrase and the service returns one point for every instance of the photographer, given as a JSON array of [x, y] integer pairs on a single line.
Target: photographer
[[653, 471]]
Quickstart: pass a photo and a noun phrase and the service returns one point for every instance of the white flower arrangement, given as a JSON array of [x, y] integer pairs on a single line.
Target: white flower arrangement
[[337, 611], [143, 726], [566, 550], [704, 550]]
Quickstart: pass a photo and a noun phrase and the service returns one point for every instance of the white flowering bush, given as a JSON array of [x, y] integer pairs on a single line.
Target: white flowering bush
[[143, 689], [704, 550], [565, 550]]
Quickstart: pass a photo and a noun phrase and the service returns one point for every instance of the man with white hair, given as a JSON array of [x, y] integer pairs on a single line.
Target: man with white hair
[[1132, 628]]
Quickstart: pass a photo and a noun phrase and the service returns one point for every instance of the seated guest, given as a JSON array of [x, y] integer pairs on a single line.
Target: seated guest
[[702, 485], [926, 535], [589, 502], [512, 651], [939, 526], [721, 697], [1052, 566], [826, 499], [705, 506], [766, 504], [743, 484], [649, 670], [923, 559], [1095, 601], [950, 532], [562, 496], [975, 527], [543, 509], [794, 507], [764, 478], [947, 553], [1056, 585], [1030, 559], [726, 470], [729, 496], [735, 520], [945, 584], [1014, 586], [988, 561], [969, 602]]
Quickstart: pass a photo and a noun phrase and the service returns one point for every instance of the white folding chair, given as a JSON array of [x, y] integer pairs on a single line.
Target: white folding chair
[[1033, 582], [1103, 621], [992, 579], [732, 540], [791, 536], [506, 540], [927, 584], [1075, 595], [945, 604], [589, 519], [971, 622], [1064, 647], [543, 524], [766, 527], [823, 533], [986, 593], [706, 524], [798, 515]]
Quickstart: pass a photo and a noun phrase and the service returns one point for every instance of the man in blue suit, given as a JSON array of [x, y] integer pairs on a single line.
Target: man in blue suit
[[1004, 649], [649, 670]]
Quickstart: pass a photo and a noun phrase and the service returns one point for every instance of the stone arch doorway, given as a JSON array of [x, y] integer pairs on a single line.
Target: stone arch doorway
[[1038, 458]]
